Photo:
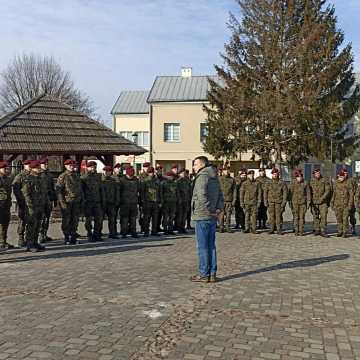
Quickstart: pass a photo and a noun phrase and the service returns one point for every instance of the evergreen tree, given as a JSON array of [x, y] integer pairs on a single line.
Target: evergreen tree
[[285, 84]]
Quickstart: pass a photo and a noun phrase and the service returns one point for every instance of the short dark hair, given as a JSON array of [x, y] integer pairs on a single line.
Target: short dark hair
[[203, 159]]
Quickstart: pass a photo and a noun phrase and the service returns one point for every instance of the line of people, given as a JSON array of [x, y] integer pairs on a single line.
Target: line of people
[[255, 198], [156, 198]]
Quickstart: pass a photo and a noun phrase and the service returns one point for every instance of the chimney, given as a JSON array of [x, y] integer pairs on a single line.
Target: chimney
[[186, 72]]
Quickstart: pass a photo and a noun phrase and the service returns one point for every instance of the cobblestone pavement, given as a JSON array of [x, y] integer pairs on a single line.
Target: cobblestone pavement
[[279, 297]]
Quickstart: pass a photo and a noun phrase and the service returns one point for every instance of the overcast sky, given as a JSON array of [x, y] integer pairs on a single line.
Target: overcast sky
[[114, 45]]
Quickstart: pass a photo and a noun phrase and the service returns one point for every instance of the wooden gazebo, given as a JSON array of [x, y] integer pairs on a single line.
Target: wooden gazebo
[[46, 126]]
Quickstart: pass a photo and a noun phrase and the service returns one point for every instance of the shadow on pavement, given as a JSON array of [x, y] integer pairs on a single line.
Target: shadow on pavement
[[288, 265], [80, 253]]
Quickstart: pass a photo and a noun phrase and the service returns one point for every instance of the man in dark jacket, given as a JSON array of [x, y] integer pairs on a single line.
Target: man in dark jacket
[[207, 203]]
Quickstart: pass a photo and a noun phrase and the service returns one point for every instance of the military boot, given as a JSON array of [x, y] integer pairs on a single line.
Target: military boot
[[67, 240], [73, 240], [91, 238], [353, 230]]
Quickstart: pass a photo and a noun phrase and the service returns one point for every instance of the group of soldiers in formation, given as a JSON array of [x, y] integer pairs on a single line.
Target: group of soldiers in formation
[[255, 198], [160, 199]]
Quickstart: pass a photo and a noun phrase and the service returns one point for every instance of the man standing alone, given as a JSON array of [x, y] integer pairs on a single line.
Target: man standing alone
[[206, 204]]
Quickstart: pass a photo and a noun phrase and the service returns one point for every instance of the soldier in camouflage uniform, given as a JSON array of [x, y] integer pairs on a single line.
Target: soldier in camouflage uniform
[[143, 176], [32, 191], [111, 191], [250, 200], [357, 196], [275, 198], [352, 213], [299, 200], [5, 204], [188, 214], [93, 201], [161, 178], [183, 199], [239, 211], [129, 198], [50, 199], [262, 211], [70, 198], [169, 197], [150, 194], [17, 185], [117, 176], [320, 195], [228, 188], [341, 202]]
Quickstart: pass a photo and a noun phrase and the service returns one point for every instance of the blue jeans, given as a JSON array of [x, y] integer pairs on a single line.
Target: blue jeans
[[205, 235]]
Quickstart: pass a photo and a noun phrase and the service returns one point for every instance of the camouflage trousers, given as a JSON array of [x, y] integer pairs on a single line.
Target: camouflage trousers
[[93, 211], [109, 211], [298, 211], [70, 218], [129, 213], [250, 217], [352, 216], [319, 213], [239, 216], [4, 222], [21, 222], [116, 217], [44, 226], [262, 215], [342, 218], [225, 216], [169, 213], [275, 216], [151, 213], [181, 214], [32, 228]]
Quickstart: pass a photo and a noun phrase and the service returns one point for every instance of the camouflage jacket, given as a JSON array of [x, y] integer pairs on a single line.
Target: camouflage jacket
[[111, 191], [32, 191], [17, 185], [48, 180], [5, 190], [299, 193], [343, 195], [151, 191], [170, 192], [250, 193], [129, 191], [276, 192], [68, 188], [184, 190], [228, 188], [320, 191], [263, 181], [92, 188]]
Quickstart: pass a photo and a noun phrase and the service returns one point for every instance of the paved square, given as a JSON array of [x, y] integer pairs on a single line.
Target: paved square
[[279, 297]]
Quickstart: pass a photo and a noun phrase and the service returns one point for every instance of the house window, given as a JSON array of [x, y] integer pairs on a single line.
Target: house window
[[204, 131], [142, 137], [172, 132]]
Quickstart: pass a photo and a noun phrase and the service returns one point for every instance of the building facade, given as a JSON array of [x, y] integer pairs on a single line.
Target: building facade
[[131, 119]]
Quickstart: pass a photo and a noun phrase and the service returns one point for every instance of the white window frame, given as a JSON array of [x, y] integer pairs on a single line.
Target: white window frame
[[172, 140]]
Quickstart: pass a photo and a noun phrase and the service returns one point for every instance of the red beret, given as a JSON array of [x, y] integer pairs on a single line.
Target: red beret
[[130, 171], [275, 171], [298, 173], [243, 172], [69, 162], [117, 166], [150, 170], [108, 168], [27, 162], [345, 170], [316, 171], [3, 164], [174, 166], [34, 164], [44, 161], [341, 173], [146, 164], [170, 174], [91, 163]]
